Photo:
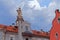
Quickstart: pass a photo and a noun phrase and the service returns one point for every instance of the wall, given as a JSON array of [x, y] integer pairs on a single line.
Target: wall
[[39, 38], [9, 35], [1, 35], [24, 24]]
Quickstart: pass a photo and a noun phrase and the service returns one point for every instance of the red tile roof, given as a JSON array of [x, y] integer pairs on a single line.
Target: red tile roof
[[41, 33], [1, 26], [9, 28], [12, 29], [15, 30]]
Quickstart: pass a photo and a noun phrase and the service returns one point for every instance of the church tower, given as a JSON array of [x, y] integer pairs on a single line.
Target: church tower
[[23, 26]]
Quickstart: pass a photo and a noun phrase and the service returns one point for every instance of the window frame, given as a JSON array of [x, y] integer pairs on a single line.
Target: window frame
[[26, 28], [12, 36]]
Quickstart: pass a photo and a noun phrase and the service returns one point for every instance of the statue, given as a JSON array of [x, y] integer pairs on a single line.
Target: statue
[[19, 13]]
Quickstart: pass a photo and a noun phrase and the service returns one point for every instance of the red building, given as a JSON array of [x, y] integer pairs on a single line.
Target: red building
[[55, 30]]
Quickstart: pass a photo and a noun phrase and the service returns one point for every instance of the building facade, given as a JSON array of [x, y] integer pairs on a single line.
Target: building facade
[[21, 31], [55, 30]]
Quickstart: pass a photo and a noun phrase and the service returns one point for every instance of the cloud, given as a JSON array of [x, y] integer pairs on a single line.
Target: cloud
[[44, 16], [35, 5], [52, 4], [39, 17]]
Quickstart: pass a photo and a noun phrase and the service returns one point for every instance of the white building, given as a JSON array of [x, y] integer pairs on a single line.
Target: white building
[[21, 31]]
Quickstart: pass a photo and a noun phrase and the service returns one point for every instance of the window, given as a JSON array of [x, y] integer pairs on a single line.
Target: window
[[59, 20], [26, 38], [26, 28], [21, 27], [11, 38], [56, 35]]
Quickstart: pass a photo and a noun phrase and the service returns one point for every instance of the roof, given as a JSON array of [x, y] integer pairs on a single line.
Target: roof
[[33, 33], [9, 28], [40, 33]]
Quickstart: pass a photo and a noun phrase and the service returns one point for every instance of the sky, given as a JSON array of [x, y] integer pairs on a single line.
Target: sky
[[39, 13]]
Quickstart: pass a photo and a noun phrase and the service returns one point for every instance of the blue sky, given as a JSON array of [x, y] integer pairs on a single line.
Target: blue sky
[[39, 13]]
